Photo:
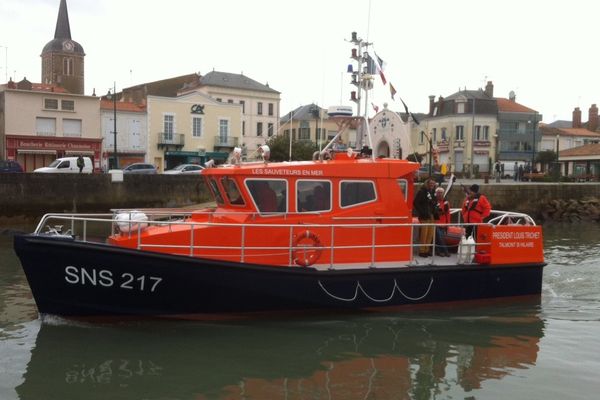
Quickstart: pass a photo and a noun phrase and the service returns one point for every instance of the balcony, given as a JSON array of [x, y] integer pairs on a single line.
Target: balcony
[[226, 141], [170, 139]]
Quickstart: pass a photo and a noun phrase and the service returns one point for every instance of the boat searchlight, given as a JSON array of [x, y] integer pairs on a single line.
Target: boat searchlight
[[265, 152]]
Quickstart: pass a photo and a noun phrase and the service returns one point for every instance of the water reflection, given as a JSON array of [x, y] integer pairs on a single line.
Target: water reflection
[[408, 355]]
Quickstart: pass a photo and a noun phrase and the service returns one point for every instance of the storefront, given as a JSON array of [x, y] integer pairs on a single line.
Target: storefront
[[34, 151], [175, 158], [220, 157]]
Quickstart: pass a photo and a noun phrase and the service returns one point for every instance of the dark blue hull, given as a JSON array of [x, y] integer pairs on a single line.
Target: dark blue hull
[[82, 279]]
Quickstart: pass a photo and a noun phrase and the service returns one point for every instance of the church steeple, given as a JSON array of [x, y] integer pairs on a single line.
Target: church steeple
[[63, 29], [62, 57]]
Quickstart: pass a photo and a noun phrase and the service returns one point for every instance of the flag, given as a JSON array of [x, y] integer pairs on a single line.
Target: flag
[[380, 65], [414, 118], [376, 108], [392, 90], [404, 104], [371, 65]]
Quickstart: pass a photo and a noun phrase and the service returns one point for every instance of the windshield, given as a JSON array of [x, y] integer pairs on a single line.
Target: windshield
[[54, 163]]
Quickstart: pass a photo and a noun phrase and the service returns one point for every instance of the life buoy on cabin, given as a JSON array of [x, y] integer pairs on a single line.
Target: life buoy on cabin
[[307, 248]]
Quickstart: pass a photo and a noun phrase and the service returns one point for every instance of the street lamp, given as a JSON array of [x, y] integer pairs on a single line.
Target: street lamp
[[113, 96], [533, 146], [430, 140], [557, 150]]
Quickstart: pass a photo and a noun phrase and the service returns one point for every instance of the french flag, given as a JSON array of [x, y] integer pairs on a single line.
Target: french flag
[[380, 65]]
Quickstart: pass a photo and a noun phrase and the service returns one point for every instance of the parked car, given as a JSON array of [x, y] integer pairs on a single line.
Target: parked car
[[139, 168], [10, 166], [67, 165], [185, 169]]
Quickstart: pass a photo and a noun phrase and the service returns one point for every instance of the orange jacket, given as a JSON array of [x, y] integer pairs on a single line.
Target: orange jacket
[[476, 209], [443, 211]]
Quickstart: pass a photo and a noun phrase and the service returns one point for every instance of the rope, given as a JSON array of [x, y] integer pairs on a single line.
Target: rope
[[339, 298], [416, 298], [377, 300], [359, 286]]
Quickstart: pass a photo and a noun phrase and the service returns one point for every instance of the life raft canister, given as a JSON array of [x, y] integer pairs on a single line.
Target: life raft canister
[[307, 248]]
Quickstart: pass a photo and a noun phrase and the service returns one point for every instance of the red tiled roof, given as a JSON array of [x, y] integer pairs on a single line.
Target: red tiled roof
[[122, 106], [507, 105], [592, 149], [42, 87], [574, 132]]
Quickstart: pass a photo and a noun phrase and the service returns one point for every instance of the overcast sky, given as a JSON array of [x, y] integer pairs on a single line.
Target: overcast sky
[[546, 52]]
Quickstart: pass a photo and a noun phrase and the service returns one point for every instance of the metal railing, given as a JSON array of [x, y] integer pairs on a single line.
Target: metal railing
[[177, 139], [97, 227], [226, 141]]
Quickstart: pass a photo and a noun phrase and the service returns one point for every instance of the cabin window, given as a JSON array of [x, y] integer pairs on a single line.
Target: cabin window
[[403, 185], [356, 192], [232, 191], [215, 190], [269, 195], [313, 195]]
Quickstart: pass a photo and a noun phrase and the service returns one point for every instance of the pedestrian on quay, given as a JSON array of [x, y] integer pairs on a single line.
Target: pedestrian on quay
[[80, 163]]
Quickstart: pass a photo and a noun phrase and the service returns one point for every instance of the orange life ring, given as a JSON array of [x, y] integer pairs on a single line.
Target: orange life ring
[[306, 254]]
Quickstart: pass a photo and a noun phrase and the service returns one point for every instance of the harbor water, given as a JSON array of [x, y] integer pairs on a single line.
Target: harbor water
[[546, 348]]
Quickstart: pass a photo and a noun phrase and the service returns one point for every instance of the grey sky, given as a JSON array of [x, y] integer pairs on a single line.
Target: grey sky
[[545, 52]]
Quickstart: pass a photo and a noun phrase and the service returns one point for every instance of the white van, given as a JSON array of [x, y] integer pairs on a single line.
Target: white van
[[67, 165]]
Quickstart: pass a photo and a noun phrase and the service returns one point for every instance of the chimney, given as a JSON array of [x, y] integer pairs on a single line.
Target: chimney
[[489, 89], [576, 118], [431, 105], [593, 118]]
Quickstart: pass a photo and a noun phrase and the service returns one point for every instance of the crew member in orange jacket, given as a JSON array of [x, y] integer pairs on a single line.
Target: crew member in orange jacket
[[475, 208], [442, 217]]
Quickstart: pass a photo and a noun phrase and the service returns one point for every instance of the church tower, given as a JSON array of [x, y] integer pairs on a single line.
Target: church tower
[[62, 58]]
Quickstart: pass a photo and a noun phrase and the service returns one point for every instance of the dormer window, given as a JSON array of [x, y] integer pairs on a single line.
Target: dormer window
[[461, 107]]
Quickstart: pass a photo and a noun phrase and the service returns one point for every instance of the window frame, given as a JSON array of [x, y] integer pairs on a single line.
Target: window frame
[[49, 102], [197, 125], [225, 181], [316, 181], [341, 192], [251, 193]]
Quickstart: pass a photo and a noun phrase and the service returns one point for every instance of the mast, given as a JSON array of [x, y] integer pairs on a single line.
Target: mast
[[362, 78]]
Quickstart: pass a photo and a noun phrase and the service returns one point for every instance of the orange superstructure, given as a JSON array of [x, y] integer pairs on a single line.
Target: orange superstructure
[[314, 206]]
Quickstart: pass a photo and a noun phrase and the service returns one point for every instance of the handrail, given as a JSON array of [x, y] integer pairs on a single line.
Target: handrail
[[164, 218]]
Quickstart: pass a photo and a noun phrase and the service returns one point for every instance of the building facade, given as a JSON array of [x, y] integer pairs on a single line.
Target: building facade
[[131, 127], [259, 103], [518, 135], [191, 128], [390, 134], [40, 124], [459, 131], [311, 123], [575, 143]]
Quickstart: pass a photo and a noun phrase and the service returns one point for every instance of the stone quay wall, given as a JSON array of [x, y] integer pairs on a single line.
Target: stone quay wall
[[29, 196], [545, 202]]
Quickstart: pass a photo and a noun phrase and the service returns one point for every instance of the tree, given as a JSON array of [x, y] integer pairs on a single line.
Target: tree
[[415, 157], [546, 157], [280, 149]]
